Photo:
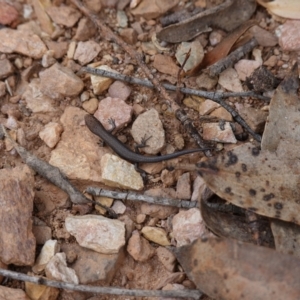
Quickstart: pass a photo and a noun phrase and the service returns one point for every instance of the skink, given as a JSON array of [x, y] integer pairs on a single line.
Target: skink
[[97, 128]]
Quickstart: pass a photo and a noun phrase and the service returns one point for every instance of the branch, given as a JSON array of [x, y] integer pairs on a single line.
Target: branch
[[146, 198], [195, 294]]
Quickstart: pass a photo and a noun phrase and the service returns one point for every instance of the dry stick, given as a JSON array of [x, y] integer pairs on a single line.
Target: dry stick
[[111, 36], [216, 97], [232, 58], [53, 174], [146, 198], [195, 294]]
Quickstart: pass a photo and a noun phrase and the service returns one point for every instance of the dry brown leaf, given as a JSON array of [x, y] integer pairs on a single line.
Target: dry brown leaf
[[265, 181], [231, 270], [289, 9], [228, 16], [223, 48]]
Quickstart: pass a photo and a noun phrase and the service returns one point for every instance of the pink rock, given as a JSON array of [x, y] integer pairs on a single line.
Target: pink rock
[[139, 248], [116, 109], [86, 51], [119, 90], [214, 132], [8, 14], [289, 39], [64, 15], [188, 226]]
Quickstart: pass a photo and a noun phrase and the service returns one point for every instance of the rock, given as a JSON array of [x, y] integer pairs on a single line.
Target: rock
[[215, 37], [77, 154], [165, 64], [48, 59], [58, 82], [17, 194], [167, 258], [193, 103], [139, 248], [188, 226], [245, 68], [97, 233], [99, 83], [168, 178], [51, 134], [91, 105], [8, 14], [86, 51], [151, 10], [94, 5], [60, 48], [117, 172], [118, 207], [257, 54], [148, 125], [195, 57], [36, 101], [7, 293], [229, 80], [50, 248], [264, 37], [119, 90], [213, 132], [129, 35], [6, 68], [91, 266], [43, 17], [106, 201], [271, 61], [156, 235], [122, 20], [2, 89], [41, 234], [129, 225], [289, 40], [172, 278], [204, 81], [183, 187], [18, 41], [57, 269], [85, 30], [40, 292], [63, 15], [116, 109], [140, 218], [207, 107], [198, 188], [255, 118], [222, 114]]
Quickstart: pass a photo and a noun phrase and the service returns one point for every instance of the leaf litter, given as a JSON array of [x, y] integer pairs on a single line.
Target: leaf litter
[[265, 181]]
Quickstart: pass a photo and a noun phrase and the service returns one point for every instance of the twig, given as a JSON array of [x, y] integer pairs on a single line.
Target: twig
[[146, 198], [111, 36], [53, 174], [216, 97], [195, 294], [232, 58]]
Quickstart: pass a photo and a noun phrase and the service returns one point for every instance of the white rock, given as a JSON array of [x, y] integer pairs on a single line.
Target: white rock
[[117, 172], [57, 269], [97, 233], [213, 132], [229, 80], [99, 83], [195, 57], [51, 134], [50, 248], [245, 68], [188, 226]]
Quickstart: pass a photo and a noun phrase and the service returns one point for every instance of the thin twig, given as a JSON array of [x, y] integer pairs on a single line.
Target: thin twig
[[195, 294], [214, 96], [146, 198], [232, 58]]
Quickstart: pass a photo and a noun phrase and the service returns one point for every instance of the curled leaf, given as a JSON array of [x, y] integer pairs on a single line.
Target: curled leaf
[[289, 9]]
